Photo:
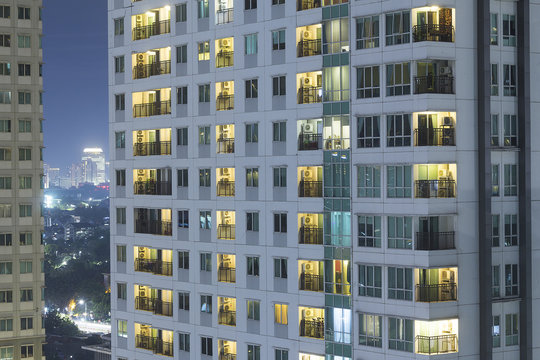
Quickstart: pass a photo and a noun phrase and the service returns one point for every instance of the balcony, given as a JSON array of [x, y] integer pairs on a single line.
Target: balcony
[[152, 109], [224, 59], [430, 84], [227, 274], [309, 141], [309, 47], [224, 16], [225, 188], [310, 188], [157, 306], [224, 102], [443, 240], [440, 344], [142, 71], [309, 94], [312, 235], [435, 189], [152, 148], [154, 266], [307, 4], [141, 32], [311, 282], [225, 146], [155, 344], [433, 32], [227, 356], [227, 317], [151, 187], [434, 137], [153, 227], [226, 232], [313, 328], [436, 292]]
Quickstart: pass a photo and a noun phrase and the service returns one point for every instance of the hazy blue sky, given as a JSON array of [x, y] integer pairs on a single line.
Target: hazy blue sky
[[75, 78]]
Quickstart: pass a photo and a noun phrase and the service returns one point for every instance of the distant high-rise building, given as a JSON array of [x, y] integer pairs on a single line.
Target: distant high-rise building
[[76, 173], [22, 330], [325, 180], [93, 161]]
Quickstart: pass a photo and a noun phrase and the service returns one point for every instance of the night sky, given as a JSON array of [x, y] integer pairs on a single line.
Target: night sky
[[75, 79]]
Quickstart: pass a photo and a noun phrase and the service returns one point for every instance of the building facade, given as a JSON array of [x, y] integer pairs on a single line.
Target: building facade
[[21, 178], [374, 156], [93, 166]]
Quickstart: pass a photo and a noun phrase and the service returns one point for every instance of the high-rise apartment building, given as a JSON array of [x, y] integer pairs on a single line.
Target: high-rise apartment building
[[93, 165], [21, 180], [324, 180]]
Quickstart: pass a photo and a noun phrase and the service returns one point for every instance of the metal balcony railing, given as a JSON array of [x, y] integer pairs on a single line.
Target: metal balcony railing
[[426, 189], [224, 59], [309, 95], [440, 84], [157, 28], [151, 187], [157, 345], [436, 344], [226, 356], [312, 328], [153, 227], [309, 47], [154, 266], [310, 188], [436, 292], [152, 109], [226, 232], [142, 71], [224, 16], [152, 148], [227, 317], [311, 282], [227, 274], [157, 306], [311, 235], [435, 137], [224, 102], [225, 146], [307, 4], [433, 32], [309, 141], [442, 240], [225, 188]]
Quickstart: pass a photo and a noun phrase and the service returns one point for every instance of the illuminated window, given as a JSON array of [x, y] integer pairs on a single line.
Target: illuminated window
[[281, 314]]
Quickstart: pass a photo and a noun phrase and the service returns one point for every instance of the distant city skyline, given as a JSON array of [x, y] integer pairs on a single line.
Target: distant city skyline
[[72, 78]]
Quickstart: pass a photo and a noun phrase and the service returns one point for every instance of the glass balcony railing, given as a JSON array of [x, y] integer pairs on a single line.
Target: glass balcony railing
[[154, 266], [227, 356], [440, 344], [309, 141], [309, 95], [311, 282], [440, 84], [226, 232], [153, 227], [441, 240], [224, 59], [310, 188], [436, 292], [227, 274], [152, 109], [227, 317], [225, 146], [312, 328], [157, 345], [146, 31], [311, 235], [433, 32], [309, 47], [225, 188], [157, 306], [431, 189], [435, 137], [143, 71], [152, 148], [224, 102], [151, 187], [224, 16]]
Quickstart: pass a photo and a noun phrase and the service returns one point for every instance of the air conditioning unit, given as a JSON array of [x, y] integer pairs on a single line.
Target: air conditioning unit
[[225, 93], [225, 43], [225, 128], [307, 174], [226, 257], [226, 213], [226, 307], [225, 171], [307, 81], [448, 121], [307, 220], [306, 99], [226, 84], [308, 267], [309, 128], [445, 70], [307, 313], [306, 35]]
